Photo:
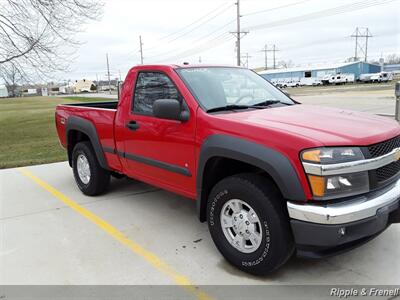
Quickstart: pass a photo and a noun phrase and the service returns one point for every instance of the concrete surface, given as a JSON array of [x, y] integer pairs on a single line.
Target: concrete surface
[[374, 98], [45, 242]]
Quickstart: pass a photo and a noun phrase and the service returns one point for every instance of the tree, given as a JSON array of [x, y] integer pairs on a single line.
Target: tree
[[285, 64], [392, 59], [11, 77], [38, 37]]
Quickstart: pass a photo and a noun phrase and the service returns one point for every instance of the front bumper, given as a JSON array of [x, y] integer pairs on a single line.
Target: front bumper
[[328, 229]]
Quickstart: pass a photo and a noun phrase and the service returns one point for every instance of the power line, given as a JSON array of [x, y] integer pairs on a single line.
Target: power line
[[192, 29], [310, 16], [274, 8], [223, 5], [220, 39], [206, 36], [199, 19], [322, 13]]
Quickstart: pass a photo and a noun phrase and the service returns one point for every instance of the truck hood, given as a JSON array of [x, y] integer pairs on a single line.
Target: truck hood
[[327, 126]]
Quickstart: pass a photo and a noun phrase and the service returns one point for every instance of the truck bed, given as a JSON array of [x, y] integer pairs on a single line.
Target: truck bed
[[100, 114]]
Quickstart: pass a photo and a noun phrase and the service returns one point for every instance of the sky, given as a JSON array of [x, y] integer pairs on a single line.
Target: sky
[[304, 31]]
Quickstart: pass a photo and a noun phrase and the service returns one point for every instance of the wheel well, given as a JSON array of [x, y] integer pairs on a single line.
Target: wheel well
[[74, 137], [218, 168]]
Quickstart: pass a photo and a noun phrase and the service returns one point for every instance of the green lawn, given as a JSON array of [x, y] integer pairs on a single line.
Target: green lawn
[[27, 131]]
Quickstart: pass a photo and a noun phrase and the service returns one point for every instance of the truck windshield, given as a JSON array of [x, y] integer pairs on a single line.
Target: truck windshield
[[216, 87]]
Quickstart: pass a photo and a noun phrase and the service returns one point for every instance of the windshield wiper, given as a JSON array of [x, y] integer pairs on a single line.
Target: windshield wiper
[[269, 102], [232, 107]]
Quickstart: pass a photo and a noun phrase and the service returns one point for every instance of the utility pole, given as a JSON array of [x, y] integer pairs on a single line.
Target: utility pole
[[273, 50], [141, 49], [246, 56], [265, 50], [368, 34], [361, 33], [238, 34], [356, 46], [97, 83], [108, 74]]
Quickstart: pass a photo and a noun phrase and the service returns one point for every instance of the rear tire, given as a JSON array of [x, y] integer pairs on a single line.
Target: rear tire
[[90, 177], [260, 200]]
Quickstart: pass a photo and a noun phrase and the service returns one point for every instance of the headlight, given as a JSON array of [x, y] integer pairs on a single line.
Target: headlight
[[335, 186], [332, 155]]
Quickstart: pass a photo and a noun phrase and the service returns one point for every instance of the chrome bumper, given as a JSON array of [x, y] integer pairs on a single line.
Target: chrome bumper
[[352, 210]]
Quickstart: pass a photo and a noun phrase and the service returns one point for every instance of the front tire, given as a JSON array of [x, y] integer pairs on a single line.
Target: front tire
[[249, 224], [90, 177]]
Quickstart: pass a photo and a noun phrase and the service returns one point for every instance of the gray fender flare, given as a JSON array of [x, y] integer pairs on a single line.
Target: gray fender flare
[[86, 127], [271, 161]]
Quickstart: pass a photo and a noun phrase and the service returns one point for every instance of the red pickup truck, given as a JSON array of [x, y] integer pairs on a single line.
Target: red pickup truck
[[271, 177]]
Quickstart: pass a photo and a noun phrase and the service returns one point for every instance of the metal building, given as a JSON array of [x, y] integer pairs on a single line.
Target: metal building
[[319, 71]]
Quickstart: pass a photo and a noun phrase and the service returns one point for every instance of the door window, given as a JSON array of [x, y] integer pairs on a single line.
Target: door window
[[151, 86]]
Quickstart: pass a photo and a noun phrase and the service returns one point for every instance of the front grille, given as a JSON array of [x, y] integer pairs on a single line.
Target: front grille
[[388, 171], [384, 147]]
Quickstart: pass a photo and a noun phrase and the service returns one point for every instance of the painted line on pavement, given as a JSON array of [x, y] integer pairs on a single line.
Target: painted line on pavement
[[150, 257]]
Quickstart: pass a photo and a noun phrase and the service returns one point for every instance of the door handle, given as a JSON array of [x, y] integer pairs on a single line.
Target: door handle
[[132, 125]]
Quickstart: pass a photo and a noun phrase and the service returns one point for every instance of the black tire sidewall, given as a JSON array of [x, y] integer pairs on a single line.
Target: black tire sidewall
[[78, 150], [99, 178], [276, 244]]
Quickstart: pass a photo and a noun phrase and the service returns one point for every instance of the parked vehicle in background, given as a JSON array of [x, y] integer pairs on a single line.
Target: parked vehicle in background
[[291, 83], [270, 176], [341, 78], [310, 81], [376, 77], [337, 79]]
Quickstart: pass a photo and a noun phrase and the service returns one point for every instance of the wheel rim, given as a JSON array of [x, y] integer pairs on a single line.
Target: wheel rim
[[83, 168], [241, 226]]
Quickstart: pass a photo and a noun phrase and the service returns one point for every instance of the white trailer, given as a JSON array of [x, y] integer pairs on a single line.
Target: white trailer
[[310, 81], [376, 77], [341, 78]]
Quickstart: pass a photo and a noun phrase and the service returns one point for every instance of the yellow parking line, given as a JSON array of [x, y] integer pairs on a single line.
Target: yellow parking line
[[150, 257]]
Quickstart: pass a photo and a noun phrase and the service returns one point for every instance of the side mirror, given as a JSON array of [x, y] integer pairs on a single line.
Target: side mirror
[[169, 109]]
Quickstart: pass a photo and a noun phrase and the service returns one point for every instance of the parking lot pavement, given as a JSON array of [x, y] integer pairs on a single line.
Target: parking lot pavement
[[371, 99], [44, 241]]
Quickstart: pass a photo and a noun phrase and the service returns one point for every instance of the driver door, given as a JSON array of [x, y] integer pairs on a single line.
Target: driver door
[[159, 151]]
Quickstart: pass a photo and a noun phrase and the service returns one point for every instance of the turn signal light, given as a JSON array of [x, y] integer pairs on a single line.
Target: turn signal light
[[312, 155], [317, 185]]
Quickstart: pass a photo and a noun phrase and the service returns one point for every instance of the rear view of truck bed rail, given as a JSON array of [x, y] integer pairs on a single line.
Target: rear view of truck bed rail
[[105, 104]]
